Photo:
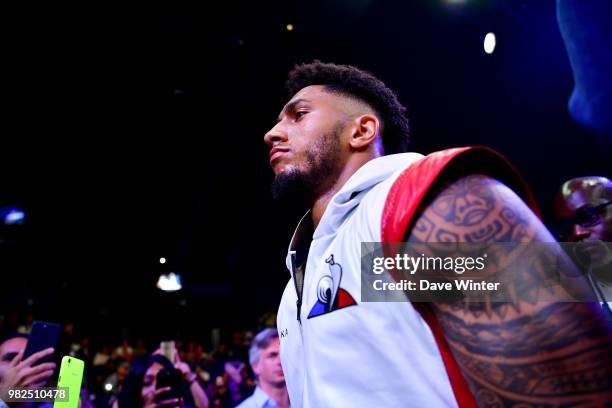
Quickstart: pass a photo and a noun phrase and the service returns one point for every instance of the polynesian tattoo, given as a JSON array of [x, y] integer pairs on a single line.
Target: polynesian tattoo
[[524, 353]]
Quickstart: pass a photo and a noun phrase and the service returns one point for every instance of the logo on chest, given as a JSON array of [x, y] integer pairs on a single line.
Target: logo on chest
[[330, 296]]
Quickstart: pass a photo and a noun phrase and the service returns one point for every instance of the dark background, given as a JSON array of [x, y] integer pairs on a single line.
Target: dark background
[[135, 132]]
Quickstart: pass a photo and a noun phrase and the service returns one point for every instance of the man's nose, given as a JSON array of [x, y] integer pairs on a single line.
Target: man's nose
[[579, 233], [275, 135]]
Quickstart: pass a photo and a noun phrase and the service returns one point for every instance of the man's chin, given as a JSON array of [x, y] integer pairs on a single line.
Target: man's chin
[[280, 382], [290, 185], [280, 168]]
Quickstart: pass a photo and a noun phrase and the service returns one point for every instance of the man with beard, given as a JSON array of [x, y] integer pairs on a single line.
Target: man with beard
[[338, 145]]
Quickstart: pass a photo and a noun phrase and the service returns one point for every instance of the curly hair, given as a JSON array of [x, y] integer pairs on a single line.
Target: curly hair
[[354, 83]]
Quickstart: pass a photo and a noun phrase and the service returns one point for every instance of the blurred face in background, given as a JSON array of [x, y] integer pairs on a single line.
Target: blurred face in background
[[123, 371], [8, 350], [585, 204], [268, 368], [583, 207]]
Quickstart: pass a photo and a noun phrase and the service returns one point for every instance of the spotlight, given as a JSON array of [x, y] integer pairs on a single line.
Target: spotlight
[[170, 282], [11, 216], [289, 27], [162, 260], [489, 43]]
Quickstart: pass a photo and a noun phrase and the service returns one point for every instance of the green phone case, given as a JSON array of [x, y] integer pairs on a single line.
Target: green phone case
[[70, 378]]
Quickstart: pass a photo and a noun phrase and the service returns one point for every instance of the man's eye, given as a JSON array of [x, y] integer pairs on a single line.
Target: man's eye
[[299, 114]]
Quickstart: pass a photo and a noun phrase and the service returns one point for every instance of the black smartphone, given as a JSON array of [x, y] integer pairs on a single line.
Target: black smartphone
[[169, 378], [42, 336]]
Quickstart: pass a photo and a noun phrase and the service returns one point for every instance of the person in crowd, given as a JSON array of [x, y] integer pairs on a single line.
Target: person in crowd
[[140, 389], [18, 372], [124, 351], [114, 382], [264, 357], [583, 210], [140, 350], [102, 356]]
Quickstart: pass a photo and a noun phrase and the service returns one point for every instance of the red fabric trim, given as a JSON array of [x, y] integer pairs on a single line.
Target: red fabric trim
[[462, 392], [405, 197]]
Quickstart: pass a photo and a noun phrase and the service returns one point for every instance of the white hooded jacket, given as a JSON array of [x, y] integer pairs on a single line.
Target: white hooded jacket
[[350, 353]]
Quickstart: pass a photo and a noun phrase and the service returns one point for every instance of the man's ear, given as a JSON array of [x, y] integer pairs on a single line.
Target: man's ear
[[365, 131], [256, 368]]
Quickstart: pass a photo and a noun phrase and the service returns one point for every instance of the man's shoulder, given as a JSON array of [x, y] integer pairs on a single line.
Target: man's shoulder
[[258, 399], [379, 192], [248, 403]]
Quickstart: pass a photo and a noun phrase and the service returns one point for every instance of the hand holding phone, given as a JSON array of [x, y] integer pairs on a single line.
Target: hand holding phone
[[70, 378], [168, 350], [156, 400], [44, 335], [26, 373], [169, 378]]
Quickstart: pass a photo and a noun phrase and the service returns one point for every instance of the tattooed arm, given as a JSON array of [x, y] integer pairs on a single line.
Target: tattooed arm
[[525, 353]]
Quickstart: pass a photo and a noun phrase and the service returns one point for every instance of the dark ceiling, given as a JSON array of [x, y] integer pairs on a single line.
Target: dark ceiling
[[134, 132]]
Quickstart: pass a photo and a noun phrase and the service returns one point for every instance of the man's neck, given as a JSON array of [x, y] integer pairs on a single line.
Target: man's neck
[[317, 209], [277, 392]]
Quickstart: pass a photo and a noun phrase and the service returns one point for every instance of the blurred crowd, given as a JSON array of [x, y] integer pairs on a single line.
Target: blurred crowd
[[122, 374]]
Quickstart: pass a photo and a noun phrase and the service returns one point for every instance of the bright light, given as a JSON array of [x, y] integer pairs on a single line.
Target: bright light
[[162, 260], [12, 215], [289, 27], [108, 387], [489, 43], [170, 282]]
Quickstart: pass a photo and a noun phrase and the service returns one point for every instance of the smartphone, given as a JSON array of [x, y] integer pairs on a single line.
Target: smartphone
[[42, 336], [168, 350], [70, 378], [169, 378]]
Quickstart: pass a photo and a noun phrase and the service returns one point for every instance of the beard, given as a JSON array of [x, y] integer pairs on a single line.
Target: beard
[[298, 186]]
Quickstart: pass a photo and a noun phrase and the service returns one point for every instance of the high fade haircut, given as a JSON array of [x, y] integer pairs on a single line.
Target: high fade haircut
[[352, 82]]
